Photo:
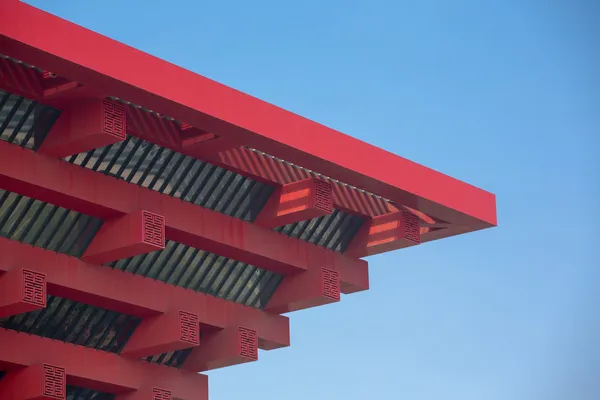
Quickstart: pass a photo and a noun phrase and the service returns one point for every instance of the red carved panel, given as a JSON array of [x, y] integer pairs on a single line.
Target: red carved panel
[[34, 288], [248, 343], [412, 231], [55, 382], [331, 284], [114, 119], [323, 195], [161, 394], [154, 229], [190, 328]]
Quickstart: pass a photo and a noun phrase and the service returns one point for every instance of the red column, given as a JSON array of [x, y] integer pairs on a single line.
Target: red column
[[230, 346], [386, 233], [36, 382], [295, 202], [135, 295], [85, 126], [21, 291], [171, 331], [133, 234], [98, 370], [306, 289]]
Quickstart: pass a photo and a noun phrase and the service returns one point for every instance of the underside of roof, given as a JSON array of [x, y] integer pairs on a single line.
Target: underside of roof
[[25, 123]]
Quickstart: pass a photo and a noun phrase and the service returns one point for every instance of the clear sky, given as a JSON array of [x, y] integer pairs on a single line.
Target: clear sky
[[504, 95]]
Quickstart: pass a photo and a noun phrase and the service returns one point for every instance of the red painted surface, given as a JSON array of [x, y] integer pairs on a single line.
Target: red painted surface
[[79, 55], [98, 370], [295, 202], [66, 185], [306, 289], [408, 204], [147, 394], [385, 233], [35, 382], [230, 346], [139, 232], [21, 291], [203, 145], [85, 126], [135, 295], [171, 331]]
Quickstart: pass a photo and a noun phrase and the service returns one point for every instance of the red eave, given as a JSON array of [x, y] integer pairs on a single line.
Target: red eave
[[111, 68]]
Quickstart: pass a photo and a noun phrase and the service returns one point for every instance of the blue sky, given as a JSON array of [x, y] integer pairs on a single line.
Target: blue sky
[[504, 95]]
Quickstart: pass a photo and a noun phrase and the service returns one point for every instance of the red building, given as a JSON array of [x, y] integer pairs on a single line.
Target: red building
[[155, 224]]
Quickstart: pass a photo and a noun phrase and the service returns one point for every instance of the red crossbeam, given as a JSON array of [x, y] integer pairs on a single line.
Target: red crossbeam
[[36, 382], [174, 330], [133, 234], [97, 370], [230, 346], [135, 295], [21, 291], [295, 202], [48, 179]]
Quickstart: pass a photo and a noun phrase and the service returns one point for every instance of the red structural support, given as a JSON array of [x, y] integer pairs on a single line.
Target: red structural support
[[133, 234], [230, 346], [62, 47], [135, 295], [35, 382], [223, 152], [153, 393], [97, 370], [306, 289], [171, 331], [295, 202], [19, 80], [85, 126], [21, 291], [48, 179], [203, 145], [386, 233]]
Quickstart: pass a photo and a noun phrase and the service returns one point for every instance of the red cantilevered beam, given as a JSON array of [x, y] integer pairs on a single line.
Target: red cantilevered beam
[[64, 48], [21, 291], [230, 346], [35, 382], [133, 234], [49, 179], [153, 393], [135, 295], [174, 330], [295, 202], [85, 126], [97, 370], [388, 232], [313, 288]]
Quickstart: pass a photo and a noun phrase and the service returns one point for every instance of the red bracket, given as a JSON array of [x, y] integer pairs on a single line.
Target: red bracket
[[137, 233], [386, 233], [297, 201], [22, 291]]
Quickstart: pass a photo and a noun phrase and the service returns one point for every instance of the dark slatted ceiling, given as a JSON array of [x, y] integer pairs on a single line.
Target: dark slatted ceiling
[[204, 272], [77, 393], [76, 323], [165, 171], [44, 225], [25, 123]]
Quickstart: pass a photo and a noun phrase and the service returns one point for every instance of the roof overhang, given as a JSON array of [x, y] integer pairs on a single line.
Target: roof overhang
[[111, 69]]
